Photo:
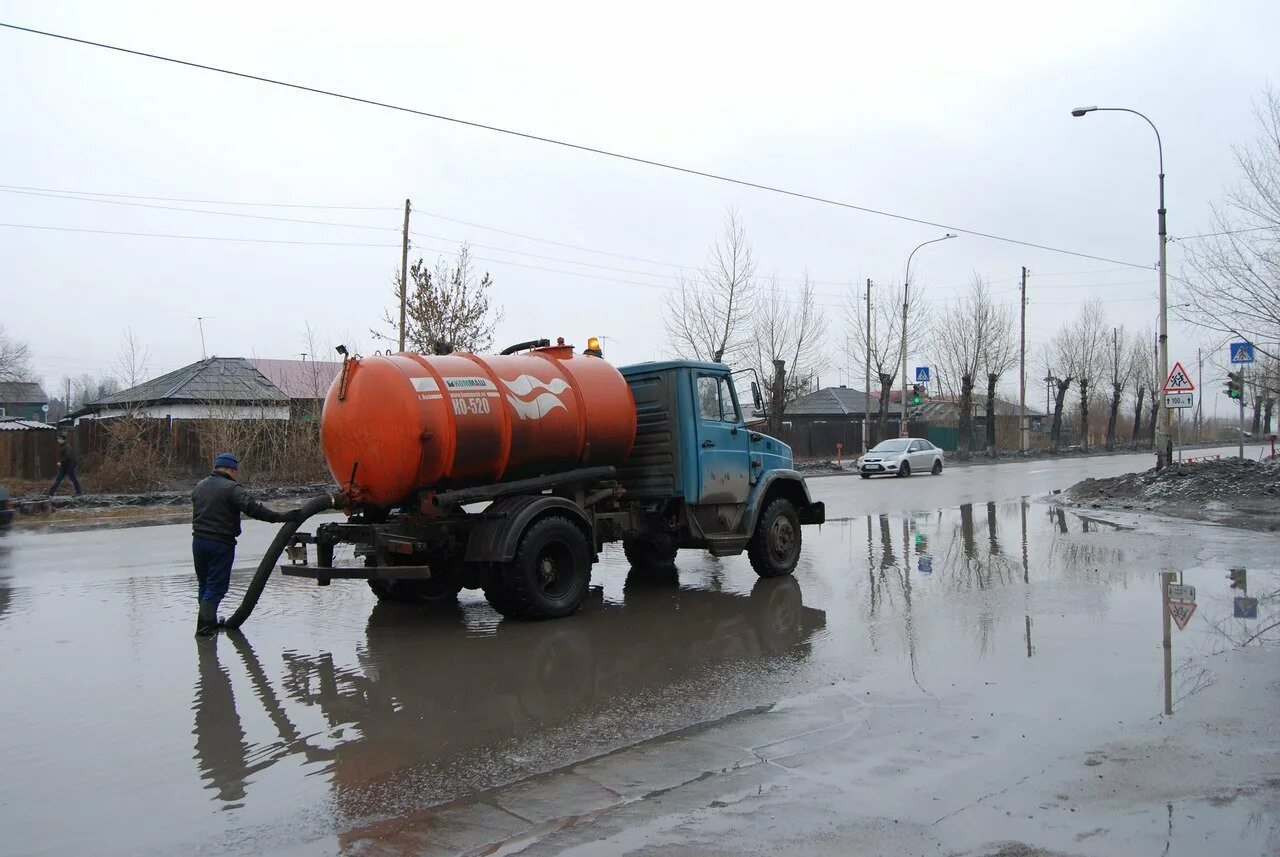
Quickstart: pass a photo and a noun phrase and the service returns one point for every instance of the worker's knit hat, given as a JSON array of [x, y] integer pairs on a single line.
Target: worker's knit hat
[[227, 459]]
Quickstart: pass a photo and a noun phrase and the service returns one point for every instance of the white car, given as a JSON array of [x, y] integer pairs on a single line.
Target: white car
[[901, 456]]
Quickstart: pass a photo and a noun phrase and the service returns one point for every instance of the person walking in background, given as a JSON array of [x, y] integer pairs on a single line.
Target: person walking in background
[[66, 466], [216, 505]]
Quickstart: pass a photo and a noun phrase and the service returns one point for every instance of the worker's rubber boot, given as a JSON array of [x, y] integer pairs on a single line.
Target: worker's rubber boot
[[207, 620]]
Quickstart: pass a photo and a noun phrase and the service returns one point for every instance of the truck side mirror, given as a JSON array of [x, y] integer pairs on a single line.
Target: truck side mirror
[[756, 399]]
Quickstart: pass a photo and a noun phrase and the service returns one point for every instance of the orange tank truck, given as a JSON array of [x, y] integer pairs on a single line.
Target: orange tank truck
[[510, 473], [398, 423]]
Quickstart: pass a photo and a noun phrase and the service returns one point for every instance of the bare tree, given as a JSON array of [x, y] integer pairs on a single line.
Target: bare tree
[[1087, 338], [1234, 282], [133, 360], [791, 328], [999, 355], [89, 388], [445, 305], [974, 337], [711, 315], [1143, 373], [885, 356], [1118, 367], [15, 358], [1058, 359]]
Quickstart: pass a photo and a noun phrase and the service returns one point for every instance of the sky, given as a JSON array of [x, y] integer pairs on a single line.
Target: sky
[[953, 113]]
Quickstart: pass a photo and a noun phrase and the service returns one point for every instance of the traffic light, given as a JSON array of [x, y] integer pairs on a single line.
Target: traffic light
[[917, 393], [1235, 385]]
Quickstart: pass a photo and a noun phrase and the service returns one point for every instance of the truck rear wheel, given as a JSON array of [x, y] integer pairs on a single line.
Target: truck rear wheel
[[775, 548], [651, 553], [549, 575]]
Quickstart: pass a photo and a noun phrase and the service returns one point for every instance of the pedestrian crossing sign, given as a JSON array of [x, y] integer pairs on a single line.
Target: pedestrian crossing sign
[[1179, 381], [1242, 352]]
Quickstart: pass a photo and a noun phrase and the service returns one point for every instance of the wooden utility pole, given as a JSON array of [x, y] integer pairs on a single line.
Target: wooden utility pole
[[866, 378], [1023, 428], [1199, 396], [404, 270]]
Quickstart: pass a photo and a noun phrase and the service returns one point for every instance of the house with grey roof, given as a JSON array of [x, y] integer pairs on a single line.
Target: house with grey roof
[[225, 388], [837, 404], [24, 400]]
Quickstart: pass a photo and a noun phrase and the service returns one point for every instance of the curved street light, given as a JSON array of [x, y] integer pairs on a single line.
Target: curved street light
[[1163, 442], [906, 289]]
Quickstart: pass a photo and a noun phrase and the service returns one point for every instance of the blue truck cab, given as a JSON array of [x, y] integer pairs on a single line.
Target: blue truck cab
[[711, 480]]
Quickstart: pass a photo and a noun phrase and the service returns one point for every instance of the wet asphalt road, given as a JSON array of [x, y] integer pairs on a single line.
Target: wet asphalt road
[[335, 723]]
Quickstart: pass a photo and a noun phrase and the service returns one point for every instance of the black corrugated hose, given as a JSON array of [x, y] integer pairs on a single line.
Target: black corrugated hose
[[312, 507]]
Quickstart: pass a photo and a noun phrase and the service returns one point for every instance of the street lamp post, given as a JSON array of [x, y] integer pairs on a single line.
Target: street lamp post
[[906, 288], [1163, 440]]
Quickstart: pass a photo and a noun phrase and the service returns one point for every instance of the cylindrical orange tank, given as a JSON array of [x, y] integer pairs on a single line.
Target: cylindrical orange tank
[[402, 422]]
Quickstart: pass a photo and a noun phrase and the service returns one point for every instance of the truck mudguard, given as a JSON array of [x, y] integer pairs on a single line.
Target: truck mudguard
[[497, 536], [789, 484]]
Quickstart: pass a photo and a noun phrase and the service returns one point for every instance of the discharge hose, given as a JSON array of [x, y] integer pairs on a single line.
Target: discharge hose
[[312, 507]]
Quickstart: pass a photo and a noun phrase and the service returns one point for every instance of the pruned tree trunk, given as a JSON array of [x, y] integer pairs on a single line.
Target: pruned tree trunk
[[886, 385], [992, 378], [1111, 420], [778, 396], [1084, 414], [1137, 416], [966, 415], [1257, 417], [1266, 416], [1055, 434]]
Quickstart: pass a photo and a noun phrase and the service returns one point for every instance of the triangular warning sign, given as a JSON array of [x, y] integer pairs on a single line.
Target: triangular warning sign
[[1182, 611], [1178, 381]]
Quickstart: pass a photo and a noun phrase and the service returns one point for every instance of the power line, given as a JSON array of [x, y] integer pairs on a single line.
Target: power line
[[191, 237], [203, 201], [1224, 232], [203, 211], [566, 144]]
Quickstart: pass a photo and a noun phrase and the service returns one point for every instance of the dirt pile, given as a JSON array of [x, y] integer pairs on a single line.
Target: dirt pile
[[1229, 491]]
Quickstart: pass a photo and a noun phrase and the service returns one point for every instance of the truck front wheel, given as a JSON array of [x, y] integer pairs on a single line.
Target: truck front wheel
[[548, 577], [775, 548]]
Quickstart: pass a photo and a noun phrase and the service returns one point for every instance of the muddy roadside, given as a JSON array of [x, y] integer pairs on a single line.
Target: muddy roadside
[[1232, 492], [71, 513]]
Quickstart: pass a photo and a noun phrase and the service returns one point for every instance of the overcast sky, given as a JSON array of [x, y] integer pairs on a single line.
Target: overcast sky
[[955, 113]]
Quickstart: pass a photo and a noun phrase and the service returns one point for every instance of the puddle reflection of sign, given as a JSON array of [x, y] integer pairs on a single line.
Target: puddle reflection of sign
[[1179, 592], [1181, 611], [1246, 608], [925, 564]]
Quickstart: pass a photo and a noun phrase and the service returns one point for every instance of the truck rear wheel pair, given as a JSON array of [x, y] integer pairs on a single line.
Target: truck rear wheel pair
[[549, 575]]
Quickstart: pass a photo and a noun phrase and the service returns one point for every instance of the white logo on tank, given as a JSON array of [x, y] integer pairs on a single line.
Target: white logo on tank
[[540, 405]]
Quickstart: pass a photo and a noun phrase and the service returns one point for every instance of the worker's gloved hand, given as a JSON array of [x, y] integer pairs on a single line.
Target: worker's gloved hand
[[295, 516]]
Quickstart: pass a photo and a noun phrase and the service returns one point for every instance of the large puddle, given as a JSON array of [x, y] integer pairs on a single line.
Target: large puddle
[[334, 713]]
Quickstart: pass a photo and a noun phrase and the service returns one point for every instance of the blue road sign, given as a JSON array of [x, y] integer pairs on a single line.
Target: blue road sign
[[925, 564], [922, 374], [1246, 608], [1241, 352]]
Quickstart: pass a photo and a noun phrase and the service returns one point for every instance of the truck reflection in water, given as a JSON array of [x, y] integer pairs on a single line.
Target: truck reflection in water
[[446, 698]]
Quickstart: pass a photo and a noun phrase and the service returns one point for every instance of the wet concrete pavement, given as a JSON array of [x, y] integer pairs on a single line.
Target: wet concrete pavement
[[940, 675]]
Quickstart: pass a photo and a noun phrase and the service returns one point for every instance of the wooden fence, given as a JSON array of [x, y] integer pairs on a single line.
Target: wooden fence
[[29, 453]]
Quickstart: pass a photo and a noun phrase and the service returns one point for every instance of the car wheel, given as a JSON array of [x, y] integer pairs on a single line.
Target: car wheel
[[905, 469], [865, 475], [937, 466]]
